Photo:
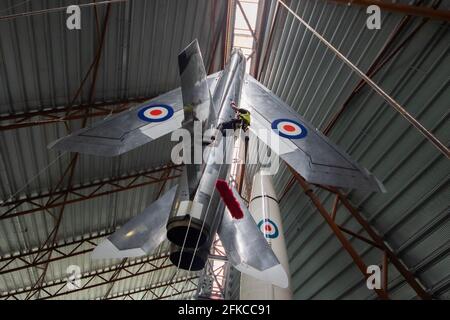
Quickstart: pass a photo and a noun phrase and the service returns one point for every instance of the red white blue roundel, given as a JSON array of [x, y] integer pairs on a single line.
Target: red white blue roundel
[[155, 113], [268, 228], [289, 129]]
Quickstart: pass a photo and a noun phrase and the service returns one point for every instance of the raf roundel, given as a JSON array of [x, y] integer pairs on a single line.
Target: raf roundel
[[290, 129], [155, 113], [268, 228]]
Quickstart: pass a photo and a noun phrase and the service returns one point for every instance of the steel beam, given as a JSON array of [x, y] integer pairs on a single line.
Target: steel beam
[[419, 11], [279, 14], [36, 288], [438, 144], [78, 250], [375, 240], [176, 294], [336, 230], [58, 9], [384, 56], [247, 22], [66, 113], [217, 35], [154, 287], [59, 287], [121, 180], [114, 276], [261, 29], [54, 232], [64, 250], [34, 259], [84, 192], [409, 277], [228, 38], [287, 188]]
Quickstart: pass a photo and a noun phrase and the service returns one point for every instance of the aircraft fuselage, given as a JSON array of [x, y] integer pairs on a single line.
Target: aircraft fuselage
[[197, 213]]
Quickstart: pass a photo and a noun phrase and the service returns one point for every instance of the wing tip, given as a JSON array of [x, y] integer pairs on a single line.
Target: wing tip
[[107, 250], [380, 185], [191, 47], [185, 55], [275, 275], [376, 185]]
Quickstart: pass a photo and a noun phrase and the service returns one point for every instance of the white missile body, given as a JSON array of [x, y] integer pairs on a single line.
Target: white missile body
[[266, 213]]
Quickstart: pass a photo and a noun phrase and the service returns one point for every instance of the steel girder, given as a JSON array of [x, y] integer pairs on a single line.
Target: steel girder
[[374, 239], [52, 199], [93, 279]]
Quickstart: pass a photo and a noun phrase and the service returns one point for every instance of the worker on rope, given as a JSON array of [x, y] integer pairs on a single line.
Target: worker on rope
[[241, 120]]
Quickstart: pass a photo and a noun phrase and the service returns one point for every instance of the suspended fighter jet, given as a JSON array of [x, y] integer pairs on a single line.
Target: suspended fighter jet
[[191, 213]]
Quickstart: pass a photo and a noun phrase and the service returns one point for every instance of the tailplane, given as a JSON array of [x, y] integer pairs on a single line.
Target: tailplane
[[199, 112], [197, 101], [247, 249], [142, 234]]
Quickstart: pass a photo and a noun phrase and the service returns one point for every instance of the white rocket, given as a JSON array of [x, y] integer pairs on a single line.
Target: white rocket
[[266, 213]]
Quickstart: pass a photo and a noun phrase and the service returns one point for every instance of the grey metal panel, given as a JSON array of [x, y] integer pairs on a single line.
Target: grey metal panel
[[313, 156], [125, 131], [41, 66], [139, 58], [128, 130], [142, 234], [414, 215], [247, 249]]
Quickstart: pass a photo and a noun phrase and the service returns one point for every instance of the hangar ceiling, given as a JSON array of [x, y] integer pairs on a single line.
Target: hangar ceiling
[[57, 206]]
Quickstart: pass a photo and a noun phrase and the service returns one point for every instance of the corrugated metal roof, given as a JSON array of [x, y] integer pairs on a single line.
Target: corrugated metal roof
[[42, 64], [413, 216]]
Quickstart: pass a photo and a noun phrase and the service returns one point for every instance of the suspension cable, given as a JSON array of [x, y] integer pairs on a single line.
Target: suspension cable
[[428, 135]]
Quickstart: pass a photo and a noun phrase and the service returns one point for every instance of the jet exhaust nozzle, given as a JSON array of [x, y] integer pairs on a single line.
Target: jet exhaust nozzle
[[188, 258], [187, 231]]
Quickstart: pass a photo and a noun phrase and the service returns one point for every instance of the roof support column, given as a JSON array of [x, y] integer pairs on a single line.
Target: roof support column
[[375, 240]]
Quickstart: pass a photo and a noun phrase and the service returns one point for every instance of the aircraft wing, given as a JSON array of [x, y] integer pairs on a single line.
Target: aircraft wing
[[301, 145], [247, 248], [142, 234], [131, 129]]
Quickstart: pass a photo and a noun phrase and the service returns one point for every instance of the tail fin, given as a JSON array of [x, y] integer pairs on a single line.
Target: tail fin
[[247, 249], [142, 234], [194, 86], [197, 104]]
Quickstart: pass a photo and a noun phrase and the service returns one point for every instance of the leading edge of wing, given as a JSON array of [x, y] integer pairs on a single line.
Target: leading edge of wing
[[128, 130]]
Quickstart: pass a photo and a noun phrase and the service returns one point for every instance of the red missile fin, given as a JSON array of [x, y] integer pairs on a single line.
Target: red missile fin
[[228, 197]]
